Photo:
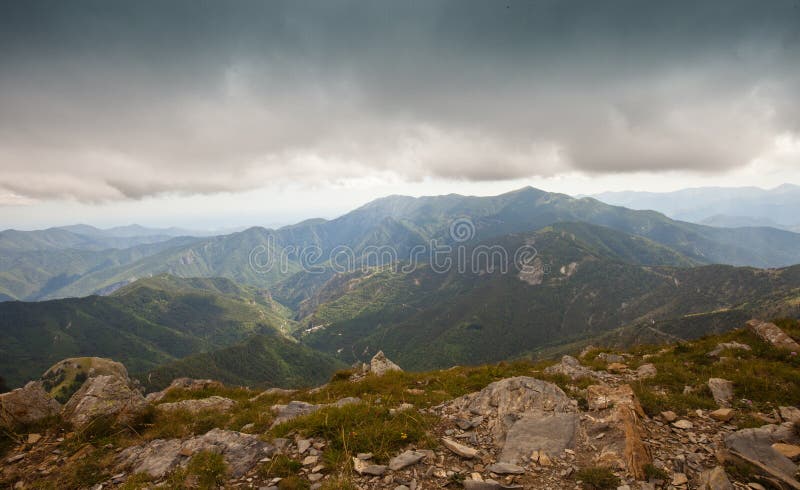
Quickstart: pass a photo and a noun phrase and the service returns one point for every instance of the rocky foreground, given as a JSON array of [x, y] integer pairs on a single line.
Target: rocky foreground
[[598, 420]]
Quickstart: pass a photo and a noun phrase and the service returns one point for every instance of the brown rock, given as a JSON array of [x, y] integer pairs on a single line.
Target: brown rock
[[669, 416], [26, 405], [722, 414], [714, 479], [617, 367], [789, 450]]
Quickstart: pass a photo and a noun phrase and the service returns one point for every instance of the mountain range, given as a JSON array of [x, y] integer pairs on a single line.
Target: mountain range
[[47, 265], [202, 307]]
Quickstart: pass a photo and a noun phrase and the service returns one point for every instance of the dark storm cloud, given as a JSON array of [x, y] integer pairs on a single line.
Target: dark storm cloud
[[106, 100]]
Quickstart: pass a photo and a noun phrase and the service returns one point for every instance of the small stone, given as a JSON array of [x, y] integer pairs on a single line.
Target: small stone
[[364, 456], [683, 424], [310, 460], [714, 479], [459, 449], [364, 468], [34, 438], [722, 414], [404, 459], [315, 477], [669, 416], [679, 479], [303, 445], [186, 451], [506, 469], [617, 367]]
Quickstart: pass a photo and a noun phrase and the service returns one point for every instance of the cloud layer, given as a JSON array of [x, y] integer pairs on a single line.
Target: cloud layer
[[103, 101]]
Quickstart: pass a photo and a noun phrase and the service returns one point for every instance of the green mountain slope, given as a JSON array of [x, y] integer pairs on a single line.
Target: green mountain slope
[[264, 360], [145, 324], [587, 281], [37, 274]]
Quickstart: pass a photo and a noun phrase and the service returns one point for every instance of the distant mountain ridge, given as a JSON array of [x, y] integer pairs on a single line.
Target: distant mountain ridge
[[729, 205], [403, 223]]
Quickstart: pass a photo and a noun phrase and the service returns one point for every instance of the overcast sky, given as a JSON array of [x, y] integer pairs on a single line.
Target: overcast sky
[[217, 114]]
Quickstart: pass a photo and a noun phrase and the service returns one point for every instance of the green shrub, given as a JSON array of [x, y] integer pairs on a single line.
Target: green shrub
[[209, 468], [653, 472], [293, 483], [281, 466], [598, 478], [361, 427]]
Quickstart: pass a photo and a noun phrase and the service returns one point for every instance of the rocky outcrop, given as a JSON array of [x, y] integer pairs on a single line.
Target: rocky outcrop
[[217, 403], [26, 405], [772, 334], [159, 457], [523, 415], [188, 384], [569, 366], [66, 377], [624, 445], [103, 396], [380, 365]]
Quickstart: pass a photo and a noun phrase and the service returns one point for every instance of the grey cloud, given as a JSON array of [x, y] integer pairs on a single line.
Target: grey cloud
[[103, 100]]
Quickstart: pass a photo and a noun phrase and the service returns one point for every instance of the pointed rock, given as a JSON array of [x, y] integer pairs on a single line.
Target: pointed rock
[[380, 365]]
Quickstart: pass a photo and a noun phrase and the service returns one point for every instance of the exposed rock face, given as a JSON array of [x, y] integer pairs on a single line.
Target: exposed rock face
[[625, 446], [569, 366], [107, 395], [211, 403], [722, 391], [771, 333], [159, 457], [755, 447], [523, 415], [66, 377], [26, 405], [551, 434], [183, 384], [380, 365]]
